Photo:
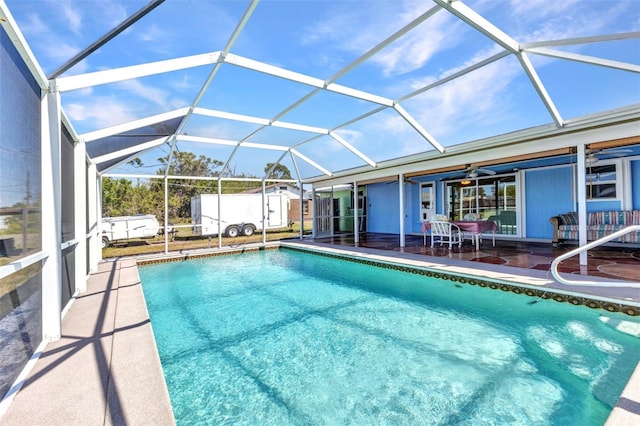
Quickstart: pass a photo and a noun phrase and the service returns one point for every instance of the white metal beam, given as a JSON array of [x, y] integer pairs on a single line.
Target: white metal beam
[[265, 146], [65, 84], [537, 84], [581, 40], [352, 148], [107, 37], [311, 162], [129, 151], [455, 75], [359, 94], [259, 120], [273, 70], [231, 116], [384, 43], [202, 139], [13, 31], [227, 142], [305, 79], [300, 127], [468, 15], [624, 66], [132, 125], [413, 123]]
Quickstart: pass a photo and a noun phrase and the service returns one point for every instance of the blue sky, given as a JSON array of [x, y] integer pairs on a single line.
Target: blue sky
[[319, 38]]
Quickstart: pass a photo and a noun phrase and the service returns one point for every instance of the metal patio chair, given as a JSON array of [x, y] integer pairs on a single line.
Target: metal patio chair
[[445, 232]]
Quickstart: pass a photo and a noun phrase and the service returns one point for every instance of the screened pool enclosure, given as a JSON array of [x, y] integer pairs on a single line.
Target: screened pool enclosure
[[367, 116]]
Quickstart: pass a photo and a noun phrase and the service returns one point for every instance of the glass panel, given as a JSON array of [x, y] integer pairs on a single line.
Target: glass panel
[[67, 193], [20, 321], [493, 198], [20, 218], [601, 181], [68, 276]]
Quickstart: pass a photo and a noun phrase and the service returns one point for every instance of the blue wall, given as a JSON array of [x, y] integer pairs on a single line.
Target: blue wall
[[548, 193], [383, 210]]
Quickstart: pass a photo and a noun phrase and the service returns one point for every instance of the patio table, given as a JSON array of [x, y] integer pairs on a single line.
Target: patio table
[[476, 227]]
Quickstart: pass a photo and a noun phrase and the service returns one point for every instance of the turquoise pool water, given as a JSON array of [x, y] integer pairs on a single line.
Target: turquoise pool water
[[282, 337]]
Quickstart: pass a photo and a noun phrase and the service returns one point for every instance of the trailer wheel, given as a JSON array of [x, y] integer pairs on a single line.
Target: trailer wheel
[[232, 231], [105, 242], [248, 230]]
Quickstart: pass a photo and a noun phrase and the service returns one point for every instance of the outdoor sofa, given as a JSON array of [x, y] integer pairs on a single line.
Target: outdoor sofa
[[599, 224]]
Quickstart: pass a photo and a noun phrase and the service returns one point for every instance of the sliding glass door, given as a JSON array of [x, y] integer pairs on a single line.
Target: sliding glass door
[[491, 197]]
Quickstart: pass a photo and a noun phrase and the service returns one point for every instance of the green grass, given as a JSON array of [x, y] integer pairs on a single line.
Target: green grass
[[185, 240]]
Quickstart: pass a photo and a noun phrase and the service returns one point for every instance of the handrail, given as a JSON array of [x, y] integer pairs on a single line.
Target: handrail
[[22, 263], [596, 243]]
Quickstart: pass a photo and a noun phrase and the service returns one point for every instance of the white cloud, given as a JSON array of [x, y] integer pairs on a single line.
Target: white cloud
[[73, 16], [101, 112], [151, 33], [414, 50], [477, 97], [112, 12], [149, 93], [183, 84], [358, 30], [541, 8]]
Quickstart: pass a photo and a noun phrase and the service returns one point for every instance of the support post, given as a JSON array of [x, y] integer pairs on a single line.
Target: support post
[[264, 216], [166, 215], [93, 199], [401, 201], [80, 215], [51, 223], [301, 185], [219, 213], [314, 214], [582, 201], [356, 229]]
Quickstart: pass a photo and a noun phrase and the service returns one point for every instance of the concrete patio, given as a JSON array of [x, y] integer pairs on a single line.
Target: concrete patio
[[105, 369]]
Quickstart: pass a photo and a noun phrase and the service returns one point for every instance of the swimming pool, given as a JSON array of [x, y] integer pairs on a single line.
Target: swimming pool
[[284, 337]]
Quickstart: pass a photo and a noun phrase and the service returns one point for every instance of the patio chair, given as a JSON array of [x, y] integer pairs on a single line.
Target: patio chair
[[445, 232]]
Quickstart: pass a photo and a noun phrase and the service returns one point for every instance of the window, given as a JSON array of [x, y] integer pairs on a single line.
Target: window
[[493, 198], [602, 181], [427, 200]]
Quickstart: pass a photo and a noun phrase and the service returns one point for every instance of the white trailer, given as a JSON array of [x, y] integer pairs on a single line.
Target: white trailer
[[240, 214], [128, 227]]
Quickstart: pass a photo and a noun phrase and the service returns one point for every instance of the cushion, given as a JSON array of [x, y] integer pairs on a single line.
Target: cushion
[[570, 218]]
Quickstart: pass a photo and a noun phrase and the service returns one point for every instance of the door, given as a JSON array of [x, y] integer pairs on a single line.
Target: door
[[323, 214], [275, 213], [427, 200]]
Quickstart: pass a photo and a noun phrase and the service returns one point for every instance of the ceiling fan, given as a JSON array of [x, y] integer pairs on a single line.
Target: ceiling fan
[[594, 155], [472, 172], [406, 180]]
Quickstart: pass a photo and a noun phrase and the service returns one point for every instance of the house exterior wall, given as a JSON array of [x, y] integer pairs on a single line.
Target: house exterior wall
[[548, 193], [294, 210], [383, 210]]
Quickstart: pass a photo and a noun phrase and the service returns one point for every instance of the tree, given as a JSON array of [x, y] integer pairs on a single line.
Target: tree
[[280, 171], [116, 196], [181, 190]]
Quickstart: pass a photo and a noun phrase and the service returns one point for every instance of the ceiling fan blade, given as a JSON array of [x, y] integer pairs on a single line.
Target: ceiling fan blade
[[486, 171]]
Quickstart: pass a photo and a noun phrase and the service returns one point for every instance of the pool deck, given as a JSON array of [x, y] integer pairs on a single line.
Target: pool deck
[[105, 370]]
